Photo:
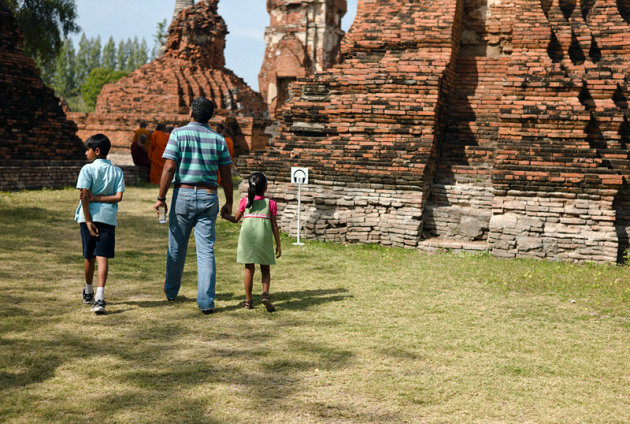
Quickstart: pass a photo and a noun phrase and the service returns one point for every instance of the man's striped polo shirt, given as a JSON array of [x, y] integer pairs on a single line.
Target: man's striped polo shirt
[[198, 152]]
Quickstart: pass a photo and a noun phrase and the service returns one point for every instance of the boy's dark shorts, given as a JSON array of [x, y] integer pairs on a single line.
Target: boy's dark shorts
[[103, 245]]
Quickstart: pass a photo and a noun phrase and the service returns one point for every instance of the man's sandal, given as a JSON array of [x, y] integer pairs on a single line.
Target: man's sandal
[[248, 304]]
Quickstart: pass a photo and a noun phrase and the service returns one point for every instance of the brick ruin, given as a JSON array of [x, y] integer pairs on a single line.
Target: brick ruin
[[33, 127], [303, 37], [466, 124], [193, 64]]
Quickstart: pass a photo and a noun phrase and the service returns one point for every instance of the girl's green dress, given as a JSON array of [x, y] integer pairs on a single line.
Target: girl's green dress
[[255, 242]]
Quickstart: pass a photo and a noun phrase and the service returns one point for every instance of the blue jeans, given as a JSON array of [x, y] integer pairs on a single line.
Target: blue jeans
[[192, 208]]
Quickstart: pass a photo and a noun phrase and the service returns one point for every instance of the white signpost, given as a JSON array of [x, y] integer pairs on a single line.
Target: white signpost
[[299, 176]]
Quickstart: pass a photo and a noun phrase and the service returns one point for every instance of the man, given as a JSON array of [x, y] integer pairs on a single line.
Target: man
[[194, 156]]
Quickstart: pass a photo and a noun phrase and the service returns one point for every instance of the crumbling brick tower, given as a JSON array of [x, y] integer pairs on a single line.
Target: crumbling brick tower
[[192, 65], [33, 127], [181, 5], [303, 37], [472, 124]]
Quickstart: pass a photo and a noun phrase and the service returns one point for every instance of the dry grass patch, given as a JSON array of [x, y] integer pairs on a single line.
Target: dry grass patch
[[363, 334]]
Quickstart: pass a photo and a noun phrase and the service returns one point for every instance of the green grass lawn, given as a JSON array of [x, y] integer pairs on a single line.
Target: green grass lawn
[[363, 334]]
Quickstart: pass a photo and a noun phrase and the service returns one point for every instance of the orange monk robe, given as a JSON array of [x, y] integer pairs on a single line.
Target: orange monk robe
[[138, 133], [230, 146], [159, 140]]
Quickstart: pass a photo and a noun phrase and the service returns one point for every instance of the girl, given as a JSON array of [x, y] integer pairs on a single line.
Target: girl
[[254, 242]]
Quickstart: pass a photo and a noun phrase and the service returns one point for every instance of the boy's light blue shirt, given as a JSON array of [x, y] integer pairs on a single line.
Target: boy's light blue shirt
[[102, 179]]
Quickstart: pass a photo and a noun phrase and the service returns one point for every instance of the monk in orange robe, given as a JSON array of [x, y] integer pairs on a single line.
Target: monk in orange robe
[[230, 145], [159, 140]]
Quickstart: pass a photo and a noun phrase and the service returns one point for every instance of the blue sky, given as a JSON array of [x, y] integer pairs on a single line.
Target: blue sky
[[246, 21]]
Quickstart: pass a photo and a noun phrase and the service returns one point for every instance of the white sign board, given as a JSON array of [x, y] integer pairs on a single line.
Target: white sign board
[[299, 175]]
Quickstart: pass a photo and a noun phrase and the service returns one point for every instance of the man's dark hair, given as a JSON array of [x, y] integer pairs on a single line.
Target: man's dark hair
[[160, 127], [202, 110], [143, 124], [101, 141]]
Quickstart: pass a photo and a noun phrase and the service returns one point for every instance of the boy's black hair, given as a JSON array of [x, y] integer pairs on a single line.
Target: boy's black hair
[[143, 124], [257, 186], [101, 141], [160, 127], [202, 109]]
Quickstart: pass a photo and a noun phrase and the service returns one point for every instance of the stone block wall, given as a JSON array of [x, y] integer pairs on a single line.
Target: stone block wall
[[505, 122], [368, 126]]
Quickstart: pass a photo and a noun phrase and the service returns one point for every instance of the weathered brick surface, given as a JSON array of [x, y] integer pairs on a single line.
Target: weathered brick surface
[[504, 123], [303, 37], [193, 65], [14, 178], [368, 126], [33, 127]]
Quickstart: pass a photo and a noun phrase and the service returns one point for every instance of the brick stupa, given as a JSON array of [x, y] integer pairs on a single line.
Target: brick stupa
[[192, 65], [485, 125], [33, 127], [303, 37]]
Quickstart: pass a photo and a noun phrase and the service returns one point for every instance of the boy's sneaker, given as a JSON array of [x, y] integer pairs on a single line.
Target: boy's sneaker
[[267, 302], [88, 298], [99, 307]]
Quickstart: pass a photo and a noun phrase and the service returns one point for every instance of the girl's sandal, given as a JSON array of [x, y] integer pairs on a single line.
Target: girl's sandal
[[248, 304], [267, 302]]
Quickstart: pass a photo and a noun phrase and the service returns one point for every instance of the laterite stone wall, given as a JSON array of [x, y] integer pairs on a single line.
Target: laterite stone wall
[[478, 122]]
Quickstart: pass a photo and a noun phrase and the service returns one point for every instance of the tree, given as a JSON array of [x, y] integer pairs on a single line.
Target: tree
[[159, 38], [45, 23], [94, 54], [142, 55], [130, 51], [95, 81], [82, 61], [63, 80], [121, 56], [108, 59]]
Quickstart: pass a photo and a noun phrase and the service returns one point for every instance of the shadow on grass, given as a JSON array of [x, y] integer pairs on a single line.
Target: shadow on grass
[[22, 214], [302, 299], [156, 303]]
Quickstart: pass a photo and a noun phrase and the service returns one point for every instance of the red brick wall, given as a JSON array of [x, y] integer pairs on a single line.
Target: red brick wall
[[368, 126], [303, 37], [499, 122], [33, 127]]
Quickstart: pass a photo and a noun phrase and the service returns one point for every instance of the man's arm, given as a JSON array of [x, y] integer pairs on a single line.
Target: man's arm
[[85, 205], [228, 189], [170, 166]]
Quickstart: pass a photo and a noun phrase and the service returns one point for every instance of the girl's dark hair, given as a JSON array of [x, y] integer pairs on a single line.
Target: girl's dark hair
[[257, 185]]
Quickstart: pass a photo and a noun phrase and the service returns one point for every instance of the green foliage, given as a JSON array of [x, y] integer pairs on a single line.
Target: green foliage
[[122, 55], [142, 54], [45, 23], [109, 55], [64, 80], [159, 38], [94, 54], [82, 61], [95, 81]]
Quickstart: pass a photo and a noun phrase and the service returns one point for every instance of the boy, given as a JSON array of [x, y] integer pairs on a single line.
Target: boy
[[102, 186]]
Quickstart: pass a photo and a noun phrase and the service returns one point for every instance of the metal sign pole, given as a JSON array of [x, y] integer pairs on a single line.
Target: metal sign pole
[[299, 176], [298, 220]]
